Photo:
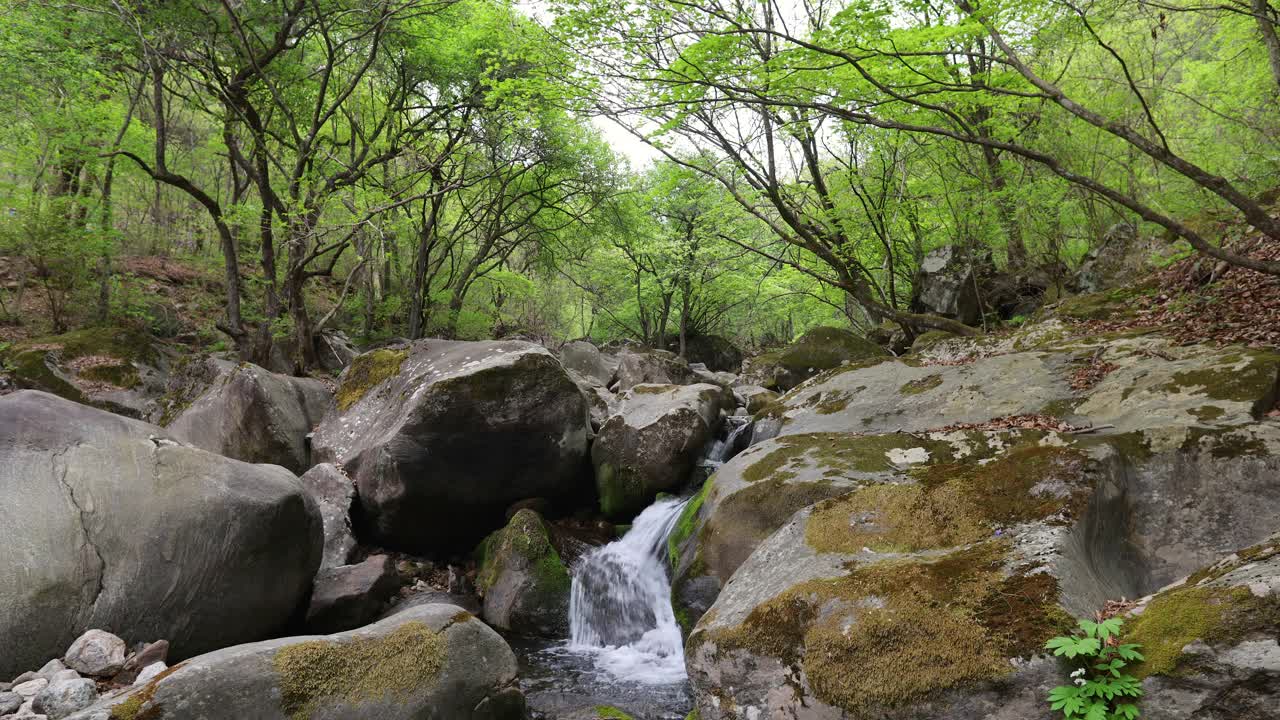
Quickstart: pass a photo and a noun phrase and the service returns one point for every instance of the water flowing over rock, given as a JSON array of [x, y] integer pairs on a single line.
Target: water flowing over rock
[[441, 436], [652, 442], [432, 662], [111, 523], [250, 414], [620, 607]]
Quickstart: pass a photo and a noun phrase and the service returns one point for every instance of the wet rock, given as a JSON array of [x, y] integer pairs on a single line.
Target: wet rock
[[350, 596], [819, 349], [440, 437], [524, 583], [97, 653], [250, 414], [652, 442], [88, 494], [65, 697], [334, 494], [433, 662]]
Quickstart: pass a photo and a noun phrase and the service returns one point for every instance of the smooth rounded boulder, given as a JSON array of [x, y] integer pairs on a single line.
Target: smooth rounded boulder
[[250, 414], [431, 662], [442, 436], [819, 349], [651, 443], [111, 523]]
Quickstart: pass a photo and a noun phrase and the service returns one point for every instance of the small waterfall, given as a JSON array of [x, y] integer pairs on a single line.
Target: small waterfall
[[620, 606], [737, 435]]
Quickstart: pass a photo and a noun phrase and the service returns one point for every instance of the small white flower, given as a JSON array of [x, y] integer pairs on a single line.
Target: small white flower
[[1078, 673]]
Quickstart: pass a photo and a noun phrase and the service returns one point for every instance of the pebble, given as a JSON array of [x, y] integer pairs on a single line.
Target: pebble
[[9, 702]]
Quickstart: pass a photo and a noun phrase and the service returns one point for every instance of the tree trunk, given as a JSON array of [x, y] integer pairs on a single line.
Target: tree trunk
[[1262, 14], [1007, 209]]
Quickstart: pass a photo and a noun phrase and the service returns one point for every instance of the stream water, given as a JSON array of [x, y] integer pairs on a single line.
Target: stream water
[[624, 647]]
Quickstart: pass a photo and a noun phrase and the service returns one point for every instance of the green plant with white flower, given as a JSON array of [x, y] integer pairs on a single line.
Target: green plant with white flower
[[1100, 688]]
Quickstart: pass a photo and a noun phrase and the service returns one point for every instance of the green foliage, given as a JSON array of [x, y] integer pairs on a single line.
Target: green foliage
[[1101, 688]]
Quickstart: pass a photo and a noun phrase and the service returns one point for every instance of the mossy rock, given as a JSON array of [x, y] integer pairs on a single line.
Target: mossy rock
[[1115, 304], [609, 712], [819, 349], [366, 372], [522, 579], [45, 363]]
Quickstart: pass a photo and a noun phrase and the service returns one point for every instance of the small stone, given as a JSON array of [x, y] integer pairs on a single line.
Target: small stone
[[97, 653], [9, 702], [149, 673], [29, 688], [66, 697], [28, 675], [63, 675], [5, 687], [51, 668]]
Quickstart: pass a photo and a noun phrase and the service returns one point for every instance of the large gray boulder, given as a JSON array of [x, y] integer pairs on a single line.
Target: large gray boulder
[[432, 662], [441, 436], [334, 494], [651, 443], [947, 284], [586, 359], [638, 366], [523, 580], [111, 523], [250, 414]]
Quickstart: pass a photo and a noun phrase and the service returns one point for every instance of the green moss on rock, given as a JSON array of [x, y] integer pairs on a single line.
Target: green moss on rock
[[842, 452], [321, 673], [367, 371], [525, 537], [609, 712], [921, 385], [895, 632]]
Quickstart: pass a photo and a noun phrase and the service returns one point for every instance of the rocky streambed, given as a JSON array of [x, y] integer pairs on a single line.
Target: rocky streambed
[[898, 540]]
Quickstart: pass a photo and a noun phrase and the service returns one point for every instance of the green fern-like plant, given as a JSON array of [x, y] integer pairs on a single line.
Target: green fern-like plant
[[1099, 689]]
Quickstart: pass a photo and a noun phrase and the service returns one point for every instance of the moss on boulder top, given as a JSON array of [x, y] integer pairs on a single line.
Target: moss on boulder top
[[76, 364], [367, 371], [522, 579], [819, 349]]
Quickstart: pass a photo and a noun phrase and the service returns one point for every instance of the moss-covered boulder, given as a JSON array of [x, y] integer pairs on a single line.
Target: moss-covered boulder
[[114, 368], [819, 349], [523, 581], [991, 548], [109, 522], [652, 441], [431, 662], [251, 414], [441, 437]]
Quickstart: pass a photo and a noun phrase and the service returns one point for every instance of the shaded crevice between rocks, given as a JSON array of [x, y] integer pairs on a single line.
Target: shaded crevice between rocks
[[60, 468], [1100, 562]]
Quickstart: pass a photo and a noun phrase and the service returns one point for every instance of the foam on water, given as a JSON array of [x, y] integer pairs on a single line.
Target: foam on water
[[620, 606]]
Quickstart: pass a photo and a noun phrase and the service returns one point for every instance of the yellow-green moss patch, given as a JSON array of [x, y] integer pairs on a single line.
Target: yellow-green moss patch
[[609, 712], [896, 632], [323, 673], [921, 385], [525, 537], [842, 452], [367, 371]]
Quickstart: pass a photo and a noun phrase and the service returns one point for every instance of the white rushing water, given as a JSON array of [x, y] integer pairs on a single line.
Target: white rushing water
[[620, 607]]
